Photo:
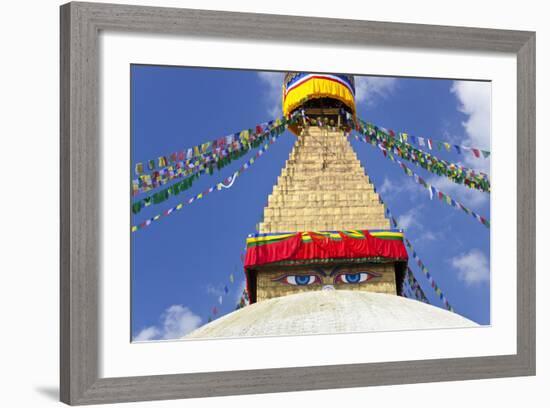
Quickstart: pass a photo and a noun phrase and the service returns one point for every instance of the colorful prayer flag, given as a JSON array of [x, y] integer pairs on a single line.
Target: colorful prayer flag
[[139, 168]]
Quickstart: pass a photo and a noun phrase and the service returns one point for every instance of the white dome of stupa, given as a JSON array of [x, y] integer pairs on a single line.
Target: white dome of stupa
[[325, 312]]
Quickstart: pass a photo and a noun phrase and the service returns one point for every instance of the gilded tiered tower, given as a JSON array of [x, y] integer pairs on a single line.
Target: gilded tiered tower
[[322, 188]]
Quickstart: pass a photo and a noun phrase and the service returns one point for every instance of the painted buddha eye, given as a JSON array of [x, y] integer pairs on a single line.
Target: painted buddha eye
[[353, 278], [300, 280]]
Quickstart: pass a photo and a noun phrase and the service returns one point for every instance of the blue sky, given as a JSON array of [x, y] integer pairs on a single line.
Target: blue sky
[[181, 264]]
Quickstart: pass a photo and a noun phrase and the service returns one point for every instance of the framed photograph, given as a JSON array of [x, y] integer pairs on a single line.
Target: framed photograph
[[260, 203]]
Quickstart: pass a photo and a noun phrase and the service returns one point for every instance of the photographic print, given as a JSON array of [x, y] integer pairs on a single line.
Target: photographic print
[[298, 203]]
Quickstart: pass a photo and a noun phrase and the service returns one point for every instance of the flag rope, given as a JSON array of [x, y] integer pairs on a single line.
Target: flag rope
[[433, 191], [217, 155], [454, 172], [415, 286], [222, 160], [430, 143], [217, 187], [412, 251], [244, 300], [210, 147]]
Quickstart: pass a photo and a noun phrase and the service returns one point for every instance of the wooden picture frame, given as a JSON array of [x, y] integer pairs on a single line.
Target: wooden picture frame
[[80, 27]]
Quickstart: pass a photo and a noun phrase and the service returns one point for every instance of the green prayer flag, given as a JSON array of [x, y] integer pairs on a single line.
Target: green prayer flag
[[136, 207]]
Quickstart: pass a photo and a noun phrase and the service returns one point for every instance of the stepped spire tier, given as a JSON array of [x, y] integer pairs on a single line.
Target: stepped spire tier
[[323, 187]]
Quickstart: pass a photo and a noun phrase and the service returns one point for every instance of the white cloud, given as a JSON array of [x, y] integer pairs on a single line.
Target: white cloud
[[213, 290], [387, 187], [409, 220], [474, 99], [147, 334], [428, 236], [372, 89], [274, 82], [177, 321], [472, 267], [390, 188]]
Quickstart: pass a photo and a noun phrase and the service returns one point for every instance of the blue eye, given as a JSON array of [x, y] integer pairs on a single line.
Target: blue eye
[[353, 278], [300, 280]]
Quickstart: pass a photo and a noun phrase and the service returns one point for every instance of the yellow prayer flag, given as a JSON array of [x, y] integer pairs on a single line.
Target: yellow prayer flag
[[243, 136]]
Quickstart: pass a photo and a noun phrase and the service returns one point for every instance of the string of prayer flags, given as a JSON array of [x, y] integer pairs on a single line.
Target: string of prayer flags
[[214, 147], [225, 184], [421, 265], [454, 172], [414, 255], [208, 162], [244, 300], [223, 294], [183, 185], [165, 194], [424, 269], [430, 278], [206, 165], [432, 190], [415, 286], [432, 144]]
